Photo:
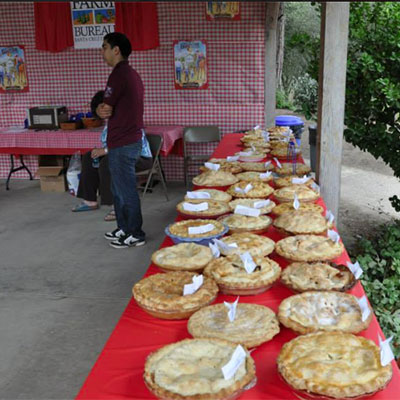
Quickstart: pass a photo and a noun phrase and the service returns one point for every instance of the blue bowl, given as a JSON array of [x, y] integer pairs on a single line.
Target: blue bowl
[[203, 241]]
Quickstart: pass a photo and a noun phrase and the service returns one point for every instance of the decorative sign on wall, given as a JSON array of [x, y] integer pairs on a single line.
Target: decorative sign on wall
[[223, 10], [13, 76], [91, 20], [191, 71]]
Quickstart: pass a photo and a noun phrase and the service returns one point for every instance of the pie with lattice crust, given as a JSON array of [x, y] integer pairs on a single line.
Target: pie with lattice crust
[[192, 369], [232, 278], [258, 190], [214, 208], [302, 277], [243, 223], [182, 257], [181, 228], [293, 169], [288, 181], [250, 203], [303, 192], [253, 325], [309, 248], [322, 311], [285, 207], [256, 245], [161, 295], [254, 176], [215, 178], [215, 194], [256, 166], [335, 364]]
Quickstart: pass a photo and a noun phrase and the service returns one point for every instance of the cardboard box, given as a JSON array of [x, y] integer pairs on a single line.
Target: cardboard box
[[51, 172]]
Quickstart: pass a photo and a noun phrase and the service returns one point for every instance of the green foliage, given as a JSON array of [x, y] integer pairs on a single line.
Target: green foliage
[[373, 84], [305, 89], [380, 260], [282, 100]]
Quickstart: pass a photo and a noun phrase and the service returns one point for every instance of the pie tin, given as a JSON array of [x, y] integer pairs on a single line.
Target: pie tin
[[203, 240]]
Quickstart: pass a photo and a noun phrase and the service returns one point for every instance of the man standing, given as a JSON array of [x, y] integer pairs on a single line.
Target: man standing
[[123, 106]]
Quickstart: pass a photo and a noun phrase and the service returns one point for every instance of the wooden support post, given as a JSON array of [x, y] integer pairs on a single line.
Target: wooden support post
[[271, 19], [331, 100]]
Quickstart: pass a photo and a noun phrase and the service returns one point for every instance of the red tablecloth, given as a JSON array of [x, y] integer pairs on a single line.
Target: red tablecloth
[[117, 374]]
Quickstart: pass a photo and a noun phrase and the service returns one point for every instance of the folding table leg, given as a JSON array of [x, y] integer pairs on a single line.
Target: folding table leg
[[12, 169]]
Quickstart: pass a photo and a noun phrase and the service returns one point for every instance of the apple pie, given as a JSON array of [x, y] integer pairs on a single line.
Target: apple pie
[[304, 193], [252, 203], [161, 295], [285, 207], [215, 178], [256, 166], [293, 169], [214, 208], [229, 166], [215, 194], [243, 223], [257, 190], [256, 245], [288, 181], [254, 176], [181, 228], [252, 156], [335, 364], [283, 152], [258, 144], [253, 325]]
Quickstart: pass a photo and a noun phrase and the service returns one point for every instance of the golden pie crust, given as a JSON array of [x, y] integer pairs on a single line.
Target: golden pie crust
[[255, 156], [282, 153], [335, 364], [287, 169], [215, 178], [322, 311], [215, 208], [253, 176], [308, 248], [285, 207], [302, 222], [182, 257], [215, 194], [250, 203], [243, 223], [232, 278], [229, 166], [256, 245], [303, 192], [256, 166], [191, 370], [302, 277], [253, 325], [287, 181], [258, 144], [161, 295], [259, 190], [181, 228]]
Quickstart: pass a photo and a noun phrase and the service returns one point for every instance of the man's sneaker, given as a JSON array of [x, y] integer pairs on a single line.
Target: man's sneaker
[[127, 241], [115, 234]]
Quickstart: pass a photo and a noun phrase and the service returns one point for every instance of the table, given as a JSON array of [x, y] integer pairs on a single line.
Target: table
[[117, 373]]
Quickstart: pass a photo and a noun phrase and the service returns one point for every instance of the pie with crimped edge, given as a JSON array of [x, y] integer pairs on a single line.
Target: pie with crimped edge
[[256, 166], [215, 194], [293, 169], [253, 325], [283, 144], [288, 181], [243, 223], [229, 166], [322, 311], [333, 364], [303, 192], [285, 207], [192, 370], [215, 208], [308, 248], [259, 190], [256, 245], [161, 295], [232, 277], [182, 257], [302, 222], [254, 156], [302, 277], [259, 144], [253, 176], [250, 203], [215, 178], [181, 228]]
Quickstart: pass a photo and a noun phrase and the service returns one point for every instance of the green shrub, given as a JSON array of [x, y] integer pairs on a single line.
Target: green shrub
[[282, 100]]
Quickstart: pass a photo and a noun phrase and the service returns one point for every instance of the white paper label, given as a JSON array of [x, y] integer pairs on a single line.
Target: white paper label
[[249, 264], [237, 359], [227, 248], [267, 163], [296, 203], [301, 181], [248, 187], [333, 235], [257, 127], [278, 164], [253, 149], [246, 153], [214, 250], [195, 207], [231, 309], [386, 351], [365, 310], [315, 187], [287, 132], [194, 230], [198, 195], [355, 269], [191, 288], [212, 166], [232, 158], [243, 210], [265, 175], [265, 135], [329, 217], [261, 203]]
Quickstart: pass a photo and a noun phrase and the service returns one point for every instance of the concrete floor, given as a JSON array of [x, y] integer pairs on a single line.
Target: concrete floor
[[63, 288]]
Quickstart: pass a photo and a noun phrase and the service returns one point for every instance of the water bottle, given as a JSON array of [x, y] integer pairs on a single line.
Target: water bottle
[[96, 162]]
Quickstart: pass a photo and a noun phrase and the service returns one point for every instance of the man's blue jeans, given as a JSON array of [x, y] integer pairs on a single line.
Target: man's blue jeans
[[121, 161]]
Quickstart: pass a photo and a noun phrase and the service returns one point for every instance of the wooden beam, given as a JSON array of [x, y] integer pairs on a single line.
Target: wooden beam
[[271, 19], [331, 100]]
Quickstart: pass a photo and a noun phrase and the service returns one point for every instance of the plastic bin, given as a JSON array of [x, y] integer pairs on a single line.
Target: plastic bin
[[296, 124], [312, 140]]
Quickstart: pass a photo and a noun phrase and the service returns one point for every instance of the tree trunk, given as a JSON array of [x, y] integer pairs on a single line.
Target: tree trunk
[[280, 44]]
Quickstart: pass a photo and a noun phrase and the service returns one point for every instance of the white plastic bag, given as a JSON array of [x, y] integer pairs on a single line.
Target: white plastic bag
[[74, 173]]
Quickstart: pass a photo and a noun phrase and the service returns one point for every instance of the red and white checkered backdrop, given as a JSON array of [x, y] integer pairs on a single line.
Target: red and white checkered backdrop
[[235, 51]]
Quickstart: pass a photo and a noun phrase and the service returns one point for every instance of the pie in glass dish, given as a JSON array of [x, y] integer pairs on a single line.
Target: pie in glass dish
[[242, 223], [292, 169], [256, 166], [303, 192], [214, 208], [192, 370], [256, 245], [323, 311], [161, 295], [253, 325], [215, 194], [251, 203], [302, 277], [182, 257], [254, 176], [285, 207], [215, 178], [258, 190], [232, 278], [333, 364], [309, 248]]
